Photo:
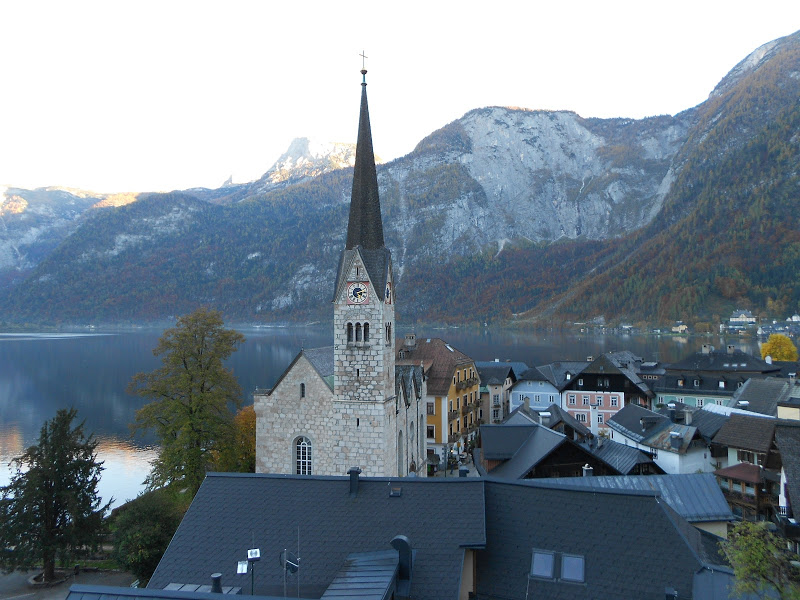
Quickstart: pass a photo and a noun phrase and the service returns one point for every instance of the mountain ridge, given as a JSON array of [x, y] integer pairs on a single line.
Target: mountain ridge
[[540, 207]]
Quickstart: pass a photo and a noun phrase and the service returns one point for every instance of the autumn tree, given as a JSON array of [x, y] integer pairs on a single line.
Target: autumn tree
[[192, 393], [760, 562], [51, 509], [238, 454], [779, 347]]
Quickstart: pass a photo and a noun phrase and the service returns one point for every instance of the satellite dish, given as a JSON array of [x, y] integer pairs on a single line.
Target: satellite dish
[[289, 562]]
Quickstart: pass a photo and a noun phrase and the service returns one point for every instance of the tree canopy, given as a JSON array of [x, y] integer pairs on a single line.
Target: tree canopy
[[143, 529], [760, 562], [239, 454], [779, 347], [192, 394], [51, 508]]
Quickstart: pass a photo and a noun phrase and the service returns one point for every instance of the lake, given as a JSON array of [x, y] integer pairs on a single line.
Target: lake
[[40, 373]]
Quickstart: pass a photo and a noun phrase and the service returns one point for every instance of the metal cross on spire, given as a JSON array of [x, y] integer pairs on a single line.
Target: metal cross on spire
[[363, 68], [364, 57]]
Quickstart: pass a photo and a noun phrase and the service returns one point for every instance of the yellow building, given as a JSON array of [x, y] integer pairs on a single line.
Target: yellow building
[[453, 393]]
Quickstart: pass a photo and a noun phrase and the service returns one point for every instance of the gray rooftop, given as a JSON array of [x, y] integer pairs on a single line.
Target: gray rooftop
[[695, 496]]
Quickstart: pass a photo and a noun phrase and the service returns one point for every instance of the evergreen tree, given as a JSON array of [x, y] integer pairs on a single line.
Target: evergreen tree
[[192, 393], [51, 509]]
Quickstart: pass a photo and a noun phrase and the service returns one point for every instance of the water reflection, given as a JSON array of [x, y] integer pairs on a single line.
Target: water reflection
[[41, 373]]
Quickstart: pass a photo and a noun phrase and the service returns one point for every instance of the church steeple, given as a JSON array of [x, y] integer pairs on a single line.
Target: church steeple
[[365, 227]]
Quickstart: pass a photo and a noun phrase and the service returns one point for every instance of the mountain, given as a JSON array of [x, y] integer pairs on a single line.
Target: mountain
[[538, 216]]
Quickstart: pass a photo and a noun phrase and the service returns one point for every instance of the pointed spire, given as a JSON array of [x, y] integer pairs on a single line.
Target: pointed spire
[[365, 227]]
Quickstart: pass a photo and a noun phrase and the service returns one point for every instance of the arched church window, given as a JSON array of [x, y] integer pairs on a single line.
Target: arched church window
[[349, 332], [366, 332], [358, 332], [302, 452], [302, 390], [389, 332]]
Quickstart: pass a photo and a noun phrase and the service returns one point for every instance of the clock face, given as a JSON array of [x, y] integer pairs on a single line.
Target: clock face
[[357, 292]]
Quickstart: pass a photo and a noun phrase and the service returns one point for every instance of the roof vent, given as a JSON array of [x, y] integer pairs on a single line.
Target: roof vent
[[216, 583], [395, 491], [405, 563], [743, 403], [354, 472], [588, 471]]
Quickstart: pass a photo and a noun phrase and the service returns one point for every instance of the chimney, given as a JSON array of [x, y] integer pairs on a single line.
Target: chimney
[[675, 439], [687, 417], [588, 471], [403, 546], [354, 472], [731, 348], [708, 348], [527, 402], [544, 416], [216, 583], [410, 341], [593, 417]]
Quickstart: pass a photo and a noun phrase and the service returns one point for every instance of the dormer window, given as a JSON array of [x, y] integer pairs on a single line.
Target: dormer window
[[680, 382], [696, 383], [721, 384], [580, 381]]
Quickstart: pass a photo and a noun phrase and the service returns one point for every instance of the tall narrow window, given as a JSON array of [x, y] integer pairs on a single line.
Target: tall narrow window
[[358, 332], [302, 390], [349, 332], [366, 332], [303, 456], [389, 332]]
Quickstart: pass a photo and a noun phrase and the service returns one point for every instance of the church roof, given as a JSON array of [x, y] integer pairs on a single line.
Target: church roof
[[365, 227]]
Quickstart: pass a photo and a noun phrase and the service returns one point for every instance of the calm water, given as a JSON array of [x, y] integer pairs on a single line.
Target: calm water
[[40, 373]]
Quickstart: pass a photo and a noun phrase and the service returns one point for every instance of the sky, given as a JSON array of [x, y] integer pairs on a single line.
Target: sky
[[130, 96]]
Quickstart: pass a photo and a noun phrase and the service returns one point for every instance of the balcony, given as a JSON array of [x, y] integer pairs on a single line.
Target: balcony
[[453, 438], [472, 381], [452, 415]]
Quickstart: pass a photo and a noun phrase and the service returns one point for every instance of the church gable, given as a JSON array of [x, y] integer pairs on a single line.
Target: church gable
[[372, 267]]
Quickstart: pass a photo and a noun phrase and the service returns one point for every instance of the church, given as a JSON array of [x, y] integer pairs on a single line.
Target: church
[[349, 405]]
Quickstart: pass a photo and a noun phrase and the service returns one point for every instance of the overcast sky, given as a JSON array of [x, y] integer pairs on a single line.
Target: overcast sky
[[116, 96]]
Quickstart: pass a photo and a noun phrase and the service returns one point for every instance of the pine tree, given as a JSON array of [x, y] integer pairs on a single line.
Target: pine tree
[[51, 510]]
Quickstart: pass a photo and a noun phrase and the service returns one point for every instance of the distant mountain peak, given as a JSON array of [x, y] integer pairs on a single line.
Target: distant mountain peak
[[306, 158]]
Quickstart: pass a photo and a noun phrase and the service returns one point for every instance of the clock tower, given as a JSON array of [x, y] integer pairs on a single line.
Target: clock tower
[[363, 300], [349, 405]]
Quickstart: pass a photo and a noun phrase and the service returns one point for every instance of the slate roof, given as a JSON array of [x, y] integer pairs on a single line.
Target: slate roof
[[621, 457], [763, 395], [556, 373], [440, 359], [232, 511], [747, 433], [730, 362], [523, 416], [540, 442], [320, 358], [708, 423], [787, 438], [695, 496], [494, 373], [628, 422], [501, 521], [611, 530], [501, 442], [105, 592]]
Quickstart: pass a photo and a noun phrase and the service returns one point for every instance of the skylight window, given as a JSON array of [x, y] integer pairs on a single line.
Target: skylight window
[[542, 564], [572, 568]]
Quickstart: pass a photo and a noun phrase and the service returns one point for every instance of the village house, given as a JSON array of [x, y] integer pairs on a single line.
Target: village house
[[453, 394]]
